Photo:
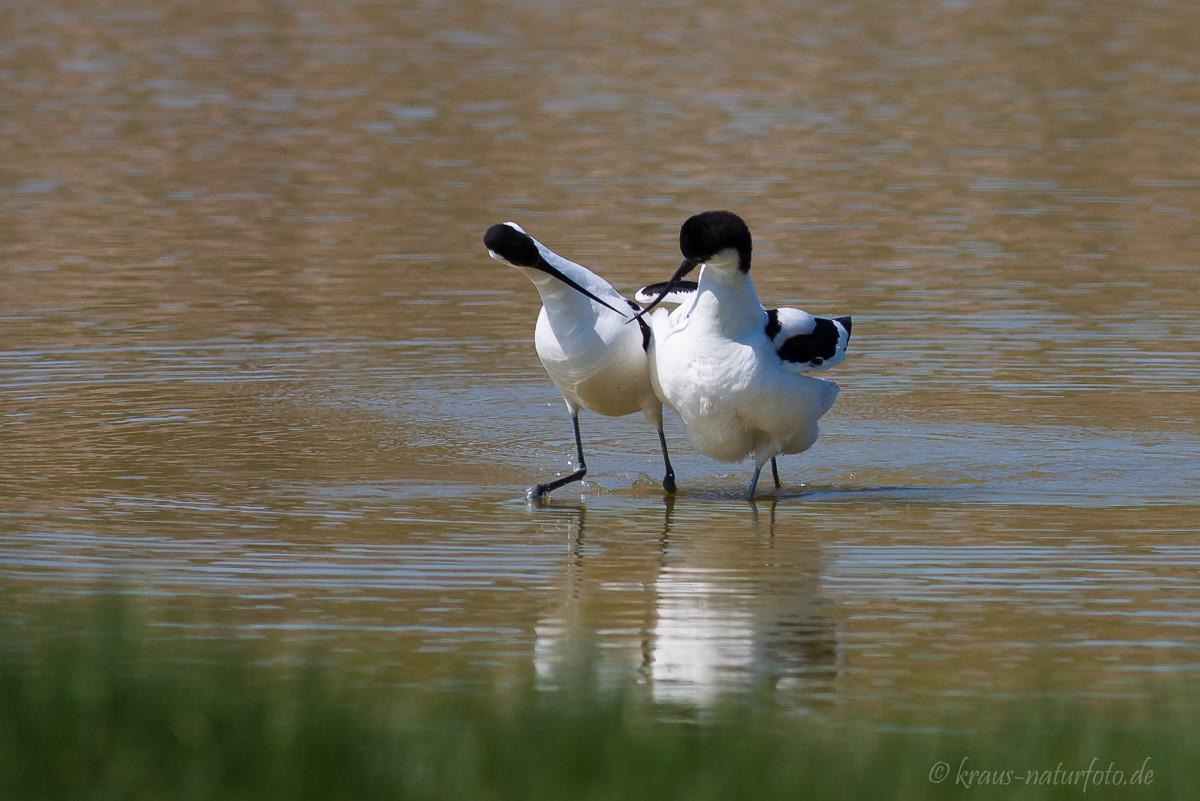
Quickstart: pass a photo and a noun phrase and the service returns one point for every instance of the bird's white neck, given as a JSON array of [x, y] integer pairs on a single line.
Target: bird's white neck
[[727, 301], [564, 302], [557, 297]]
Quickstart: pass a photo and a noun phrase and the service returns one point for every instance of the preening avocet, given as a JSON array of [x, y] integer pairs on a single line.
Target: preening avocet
[[595, 359], [730, 367]]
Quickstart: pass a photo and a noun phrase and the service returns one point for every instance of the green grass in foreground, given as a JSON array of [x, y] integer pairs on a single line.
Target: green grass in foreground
[[106, 716]]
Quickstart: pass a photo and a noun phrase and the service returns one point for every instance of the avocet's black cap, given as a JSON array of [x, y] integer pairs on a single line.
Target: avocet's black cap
[[704, 235], [519, 249], [512, 245]]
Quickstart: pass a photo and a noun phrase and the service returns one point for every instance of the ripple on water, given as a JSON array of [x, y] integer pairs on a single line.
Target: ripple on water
[[256, 358]]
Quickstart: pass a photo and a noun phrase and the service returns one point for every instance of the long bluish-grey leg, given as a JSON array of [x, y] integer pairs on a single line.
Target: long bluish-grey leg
[[754, 481], [536, 493], [669, 478], [775, 473]]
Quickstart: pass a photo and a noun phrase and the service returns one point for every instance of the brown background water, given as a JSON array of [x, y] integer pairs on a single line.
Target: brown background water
[[255, 361]]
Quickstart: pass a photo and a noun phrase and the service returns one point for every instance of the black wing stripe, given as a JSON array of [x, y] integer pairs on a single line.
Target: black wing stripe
[[820, 344], [683, 287]]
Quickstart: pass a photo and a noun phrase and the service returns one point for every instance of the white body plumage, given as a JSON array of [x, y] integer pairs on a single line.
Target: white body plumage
[[721, 360], [712, 362], [584, 337]]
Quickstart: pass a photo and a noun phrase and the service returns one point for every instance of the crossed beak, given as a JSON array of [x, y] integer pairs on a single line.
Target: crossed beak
[[686, 267]]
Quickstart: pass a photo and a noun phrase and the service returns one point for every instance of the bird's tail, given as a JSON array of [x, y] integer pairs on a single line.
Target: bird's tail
[[829, 394]]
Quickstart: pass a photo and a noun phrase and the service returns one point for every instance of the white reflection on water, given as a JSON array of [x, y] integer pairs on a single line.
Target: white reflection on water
[[862, 598], [698, 622]]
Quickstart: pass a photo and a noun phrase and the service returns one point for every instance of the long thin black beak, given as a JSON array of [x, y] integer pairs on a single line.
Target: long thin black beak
[[546, 267], [685, 268]]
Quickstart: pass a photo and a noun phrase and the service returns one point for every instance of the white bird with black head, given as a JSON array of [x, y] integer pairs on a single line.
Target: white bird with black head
[[595, 359], [730, 367]]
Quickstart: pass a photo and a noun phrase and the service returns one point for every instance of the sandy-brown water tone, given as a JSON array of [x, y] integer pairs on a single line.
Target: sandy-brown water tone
[[254, 358]]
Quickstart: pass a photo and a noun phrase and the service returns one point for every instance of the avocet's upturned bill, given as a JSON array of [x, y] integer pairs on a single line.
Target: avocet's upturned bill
[[595, 359], [730, 367]]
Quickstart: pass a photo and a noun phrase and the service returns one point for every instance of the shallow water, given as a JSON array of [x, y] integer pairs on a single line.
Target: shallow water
[[254, 359]]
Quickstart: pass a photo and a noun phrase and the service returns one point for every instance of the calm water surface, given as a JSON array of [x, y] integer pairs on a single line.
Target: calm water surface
[[255, 361]]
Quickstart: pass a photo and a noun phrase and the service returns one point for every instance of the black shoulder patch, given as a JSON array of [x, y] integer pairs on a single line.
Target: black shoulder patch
[[642, 323], [773, 326]]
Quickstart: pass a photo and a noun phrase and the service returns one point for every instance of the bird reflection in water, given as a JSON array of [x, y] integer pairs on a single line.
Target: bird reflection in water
[[714, 604]]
